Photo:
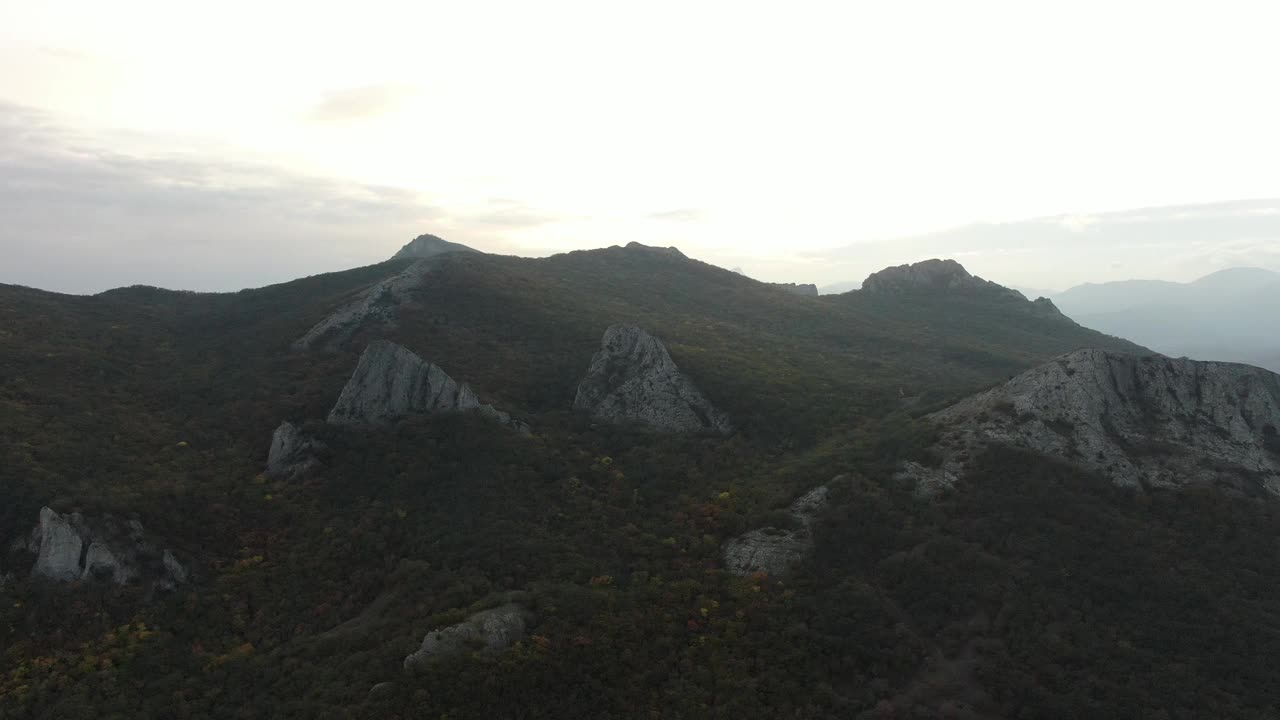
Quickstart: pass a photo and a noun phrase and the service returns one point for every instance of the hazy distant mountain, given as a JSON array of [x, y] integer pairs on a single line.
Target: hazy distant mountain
[[428, 245], [1231, 315]]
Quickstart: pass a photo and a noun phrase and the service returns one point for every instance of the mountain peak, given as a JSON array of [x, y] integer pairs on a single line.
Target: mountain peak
[[672, 250], [1238, 277], [934, 275], [427, 245]]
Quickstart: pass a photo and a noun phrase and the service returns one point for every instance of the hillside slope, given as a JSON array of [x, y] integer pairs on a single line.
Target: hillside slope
[[307, 591]]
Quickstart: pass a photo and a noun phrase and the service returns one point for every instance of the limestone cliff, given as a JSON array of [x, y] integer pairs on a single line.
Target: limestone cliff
[[374, 308], [633, 379], [390, 381], [1147, 421], [775, 551], [74, 547]]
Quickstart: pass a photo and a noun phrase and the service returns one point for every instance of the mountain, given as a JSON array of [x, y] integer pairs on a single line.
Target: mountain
[[425, 246], [1231, 315], [440, 561]]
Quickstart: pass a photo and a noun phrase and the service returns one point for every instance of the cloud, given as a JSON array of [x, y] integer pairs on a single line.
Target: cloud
[[66, 53], [81, 217], [508, 213], [678, 215], [354, 104], [1078, 223]]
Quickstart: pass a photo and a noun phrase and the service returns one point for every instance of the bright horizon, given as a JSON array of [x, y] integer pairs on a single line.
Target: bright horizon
[[140, 143]]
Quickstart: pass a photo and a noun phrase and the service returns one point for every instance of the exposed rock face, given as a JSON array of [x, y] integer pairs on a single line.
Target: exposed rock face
[[291, 452], [375, 307], [487, 632], [927, 482], [1142, 421], [775, 551], [71, 547], [806, 289], [425, 246], [59, 546], [1045, 306], [633, 379], [933, 276], [391, 382]]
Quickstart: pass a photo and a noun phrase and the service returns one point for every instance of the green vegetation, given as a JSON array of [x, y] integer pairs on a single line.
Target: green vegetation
[[1033, 591]]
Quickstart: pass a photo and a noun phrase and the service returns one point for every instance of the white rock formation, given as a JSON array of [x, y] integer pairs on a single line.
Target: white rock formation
[[1148, 421], [775, 551], [291, 452], [486, 632], [71, 547], [633, 379], [390, 382], [59, 546], [373, 308]]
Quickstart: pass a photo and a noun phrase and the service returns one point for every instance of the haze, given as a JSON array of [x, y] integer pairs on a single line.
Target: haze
[[142, 142]]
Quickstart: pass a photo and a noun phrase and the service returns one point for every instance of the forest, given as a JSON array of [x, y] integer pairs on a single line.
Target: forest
[[1030, 590]]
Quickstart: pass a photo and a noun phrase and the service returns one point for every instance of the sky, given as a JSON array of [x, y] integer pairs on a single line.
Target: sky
[[237, 144]]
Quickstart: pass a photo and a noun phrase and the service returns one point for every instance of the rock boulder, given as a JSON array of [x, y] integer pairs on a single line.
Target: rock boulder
[[633, 379], [292, 452], [390, 382], [485, 632]]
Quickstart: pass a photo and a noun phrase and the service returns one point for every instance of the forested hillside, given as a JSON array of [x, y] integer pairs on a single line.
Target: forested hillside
[[1034, 590]]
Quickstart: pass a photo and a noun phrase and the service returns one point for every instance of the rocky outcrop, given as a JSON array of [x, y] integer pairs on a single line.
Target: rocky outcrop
[[374, 308], [774, 550], [485, 632], [1144, 421], [1045, 306], [390, 382], [425, 246], [933, 276], [671, 251], [926, 482], [804, 290], [292, 452], [633, 379], [73, 547]]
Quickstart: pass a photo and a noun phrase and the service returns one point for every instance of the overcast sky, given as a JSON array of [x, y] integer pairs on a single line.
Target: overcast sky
[[240, 143]]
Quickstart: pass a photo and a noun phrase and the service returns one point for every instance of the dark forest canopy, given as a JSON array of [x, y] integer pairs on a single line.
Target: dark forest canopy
[[1031, 590]]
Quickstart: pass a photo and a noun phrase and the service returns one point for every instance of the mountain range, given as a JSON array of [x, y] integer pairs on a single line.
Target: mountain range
[[624, 483], [1231, 315]]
